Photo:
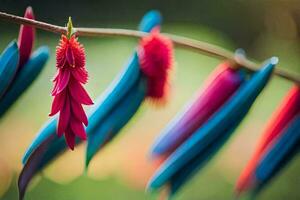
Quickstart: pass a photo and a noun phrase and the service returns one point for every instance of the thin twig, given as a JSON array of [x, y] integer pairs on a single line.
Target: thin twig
[[182, 42]]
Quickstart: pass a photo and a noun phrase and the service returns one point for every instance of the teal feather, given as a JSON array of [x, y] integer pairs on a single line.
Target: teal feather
[[150, 20], [25, 76], [8, 66], [45, 132], [116, 120], [110, 118], [201, 159]]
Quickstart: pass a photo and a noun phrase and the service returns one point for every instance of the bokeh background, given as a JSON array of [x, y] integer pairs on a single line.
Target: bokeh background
[[120, 171]]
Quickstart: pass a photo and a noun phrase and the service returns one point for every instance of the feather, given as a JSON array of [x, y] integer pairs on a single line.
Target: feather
[[213, 129], [8, 66], [116, 120], [289, 107], [284, 149], [24, 78], [222, 83]]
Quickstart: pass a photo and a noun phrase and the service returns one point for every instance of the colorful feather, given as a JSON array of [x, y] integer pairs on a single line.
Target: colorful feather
[[221, 84], [19, 78], [155, 56], [279, 155], [280, 120], [227, 118]]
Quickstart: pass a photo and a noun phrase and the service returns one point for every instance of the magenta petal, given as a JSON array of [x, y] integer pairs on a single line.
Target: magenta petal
[[62, 82], [26, 38], [57, 103], [78, 128], [79, 112], [64, 117], [80, 75], [79, 94], [53, 92], [70, 56], [70, 138]]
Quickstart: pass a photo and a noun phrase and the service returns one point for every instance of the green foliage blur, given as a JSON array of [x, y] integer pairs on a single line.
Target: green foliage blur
[[120, 172]]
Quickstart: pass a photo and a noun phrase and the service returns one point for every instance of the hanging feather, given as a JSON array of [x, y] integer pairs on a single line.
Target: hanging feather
[[9, 60], [219, 126], [154, 61], [278, 156], [280, 120], [223, 82]]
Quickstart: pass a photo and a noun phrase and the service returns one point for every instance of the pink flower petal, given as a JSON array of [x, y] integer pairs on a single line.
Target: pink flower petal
[[70, 138], [80, 74], [58, 103], [64, 117], [79, 94], [78, 128], [79, 112], [62, 82], [70, 57]]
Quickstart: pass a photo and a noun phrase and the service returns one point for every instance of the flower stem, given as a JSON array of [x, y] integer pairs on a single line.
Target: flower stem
[[182, 42], [69, 28]]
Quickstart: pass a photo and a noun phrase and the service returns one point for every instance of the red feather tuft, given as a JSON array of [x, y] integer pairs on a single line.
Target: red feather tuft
[[69, 93], [155, 54]]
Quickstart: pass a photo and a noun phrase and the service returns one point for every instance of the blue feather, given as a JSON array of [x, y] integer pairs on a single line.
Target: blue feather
[[45, 132], [25, 76], [8, 66], [213, 129], [150, 20], [126, 79], [193, 166], [115, 121]]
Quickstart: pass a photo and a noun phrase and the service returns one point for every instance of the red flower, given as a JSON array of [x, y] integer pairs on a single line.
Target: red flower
[[68, 92], [156, 59]]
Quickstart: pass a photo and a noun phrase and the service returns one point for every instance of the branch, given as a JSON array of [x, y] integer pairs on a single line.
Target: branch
[[182, 42]]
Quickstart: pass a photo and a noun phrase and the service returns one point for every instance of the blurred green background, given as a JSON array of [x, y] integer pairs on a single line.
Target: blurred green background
[[262, 28]]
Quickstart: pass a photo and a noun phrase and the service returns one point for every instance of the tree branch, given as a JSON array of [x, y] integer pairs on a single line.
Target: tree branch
[[182, 42]]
